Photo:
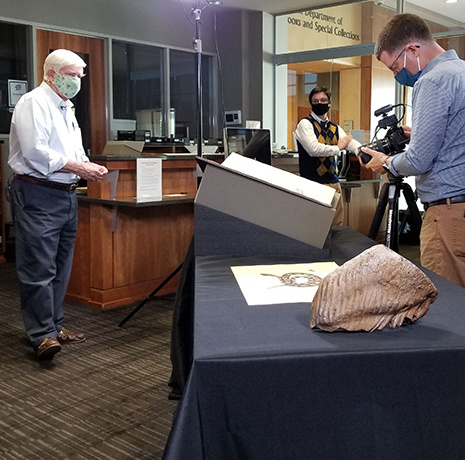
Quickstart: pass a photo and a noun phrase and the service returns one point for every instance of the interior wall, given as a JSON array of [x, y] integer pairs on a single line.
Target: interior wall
[[241, 51], [349, 104]]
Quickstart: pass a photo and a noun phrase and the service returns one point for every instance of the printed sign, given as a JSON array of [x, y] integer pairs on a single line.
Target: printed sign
[[16, 88]]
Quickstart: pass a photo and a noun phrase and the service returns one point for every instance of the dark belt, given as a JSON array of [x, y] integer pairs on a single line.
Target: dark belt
[[451, 200], [48, 183]]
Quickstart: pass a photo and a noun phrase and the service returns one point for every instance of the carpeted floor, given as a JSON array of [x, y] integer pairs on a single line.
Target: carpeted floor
[[106, 398]]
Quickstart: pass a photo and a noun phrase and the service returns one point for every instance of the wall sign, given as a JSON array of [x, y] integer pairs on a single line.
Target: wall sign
[[326, 28], [16, 88]]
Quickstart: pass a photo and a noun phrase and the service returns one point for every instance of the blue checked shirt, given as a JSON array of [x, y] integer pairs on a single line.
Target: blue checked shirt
[[436, 153]]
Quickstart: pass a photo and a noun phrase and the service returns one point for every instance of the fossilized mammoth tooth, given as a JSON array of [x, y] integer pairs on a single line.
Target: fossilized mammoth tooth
[[376, 288]]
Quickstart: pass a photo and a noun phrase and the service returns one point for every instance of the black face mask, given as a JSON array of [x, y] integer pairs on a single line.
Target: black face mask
[[320, 109]]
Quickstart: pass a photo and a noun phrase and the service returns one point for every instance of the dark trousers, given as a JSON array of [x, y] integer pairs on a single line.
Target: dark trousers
[[45, 225]]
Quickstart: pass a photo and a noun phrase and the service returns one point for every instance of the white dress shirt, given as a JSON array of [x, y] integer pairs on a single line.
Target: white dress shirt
[[44, 135], [305, 134]]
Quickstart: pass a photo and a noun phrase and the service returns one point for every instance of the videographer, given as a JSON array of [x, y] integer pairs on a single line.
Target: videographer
[[436, 153], [319, 142]]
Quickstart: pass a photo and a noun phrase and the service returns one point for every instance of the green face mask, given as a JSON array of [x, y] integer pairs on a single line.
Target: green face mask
[[68, 86]]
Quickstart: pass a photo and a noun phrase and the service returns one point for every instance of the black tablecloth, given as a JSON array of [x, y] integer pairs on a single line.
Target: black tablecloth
[[263, 385]]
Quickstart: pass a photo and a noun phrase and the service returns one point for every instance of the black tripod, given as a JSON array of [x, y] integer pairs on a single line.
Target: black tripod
[[152, 294], [389, 195]]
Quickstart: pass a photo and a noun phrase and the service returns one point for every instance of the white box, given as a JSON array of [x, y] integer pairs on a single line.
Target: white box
[[265, 203]]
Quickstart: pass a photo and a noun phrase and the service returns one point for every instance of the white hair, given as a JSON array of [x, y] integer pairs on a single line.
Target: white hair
[[58, 59]]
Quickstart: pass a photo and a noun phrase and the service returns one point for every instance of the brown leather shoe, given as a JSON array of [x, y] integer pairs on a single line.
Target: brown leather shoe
[[48, 348], [66, 336]]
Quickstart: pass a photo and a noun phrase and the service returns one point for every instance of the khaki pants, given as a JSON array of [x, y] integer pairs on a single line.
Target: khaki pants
[[339, 216], [442, 241]]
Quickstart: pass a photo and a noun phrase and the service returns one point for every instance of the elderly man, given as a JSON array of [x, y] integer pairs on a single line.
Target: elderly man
[[48, 158]]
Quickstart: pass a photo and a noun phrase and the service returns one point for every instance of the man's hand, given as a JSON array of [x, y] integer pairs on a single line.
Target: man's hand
[[343, 141], [87, 170], [376, 162], [407, 130]]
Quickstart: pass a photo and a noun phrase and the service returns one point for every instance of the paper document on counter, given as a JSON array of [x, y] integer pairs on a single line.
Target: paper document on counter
[[148, 172], [284, 179], [282, 283]]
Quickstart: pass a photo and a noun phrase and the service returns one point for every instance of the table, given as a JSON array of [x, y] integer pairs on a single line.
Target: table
[[263, 385], [125, 247]]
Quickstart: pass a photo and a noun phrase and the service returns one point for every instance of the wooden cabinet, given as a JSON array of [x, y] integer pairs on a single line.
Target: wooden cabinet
[[125, 249]]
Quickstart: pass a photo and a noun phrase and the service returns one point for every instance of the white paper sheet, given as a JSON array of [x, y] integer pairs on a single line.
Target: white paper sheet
[[283, 283], [149, 180]]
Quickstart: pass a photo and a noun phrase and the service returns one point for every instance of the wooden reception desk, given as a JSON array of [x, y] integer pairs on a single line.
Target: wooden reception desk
[[124, 248]]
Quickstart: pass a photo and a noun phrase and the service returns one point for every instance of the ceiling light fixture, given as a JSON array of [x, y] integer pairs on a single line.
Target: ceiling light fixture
[[451, 1], [214, 2]]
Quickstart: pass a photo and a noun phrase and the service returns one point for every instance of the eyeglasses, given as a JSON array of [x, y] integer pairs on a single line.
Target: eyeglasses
[[74, 74], [321, 101], [395, 60]]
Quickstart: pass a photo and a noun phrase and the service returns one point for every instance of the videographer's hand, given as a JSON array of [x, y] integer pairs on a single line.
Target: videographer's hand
[[407, 130], [343, 141], [376, 162]]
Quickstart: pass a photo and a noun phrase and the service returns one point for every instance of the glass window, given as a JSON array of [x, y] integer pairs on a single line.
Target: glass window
[[183, 93], [360, 84], [137, 86], [13, 66], [139, 90], [441, 16]]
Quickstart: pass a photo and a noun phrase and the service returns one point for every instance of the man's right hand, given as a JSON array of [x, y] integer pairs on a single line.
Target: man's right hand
[[86, 170], [343, 141], [407, 130]]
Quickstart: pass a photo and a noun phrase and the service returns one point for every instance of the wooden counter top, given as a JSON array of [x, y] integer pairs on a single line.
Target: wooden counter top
[[163, 156], [172, 199]]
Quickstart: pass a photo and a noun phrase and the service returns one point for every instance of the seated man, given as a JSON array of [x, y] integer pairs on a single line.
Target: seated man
[[319, 142]]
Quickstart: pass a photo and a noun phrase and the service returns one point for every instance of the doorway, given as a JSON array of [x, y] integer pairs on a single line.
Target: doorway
[[90, 101]]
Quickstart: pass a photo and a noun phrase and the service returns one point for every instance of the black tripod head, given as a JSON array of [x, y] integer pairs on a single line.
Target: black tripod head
[[394, 179]]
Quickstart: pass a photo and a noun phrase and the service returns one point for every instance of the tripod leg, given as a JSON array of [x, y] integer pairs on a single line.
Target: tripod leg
[[392, 228], [379, 213], [413, 212], [157, 289]]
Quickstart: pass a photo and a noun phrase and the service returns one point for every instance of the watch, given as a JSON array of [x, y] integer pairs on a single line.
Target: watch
[[385, 165]]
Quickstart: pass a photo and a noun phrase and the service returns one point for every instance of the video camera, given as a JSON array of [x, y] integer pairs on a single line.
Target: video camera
[[394, 142]]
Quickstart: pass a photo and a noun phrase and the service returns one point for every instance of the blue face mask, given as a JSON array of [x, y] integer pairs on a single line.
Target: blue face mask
[[406, 78]]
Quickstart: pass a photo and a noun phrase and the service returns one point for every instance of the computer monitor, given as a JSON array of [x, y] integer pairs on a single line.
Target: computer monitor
[[251, 143]]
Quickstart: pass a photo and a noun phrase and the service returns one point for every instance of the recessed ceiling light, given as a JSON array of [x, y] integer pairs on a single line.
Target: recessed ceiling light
[[217, 2], [452, 1]]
